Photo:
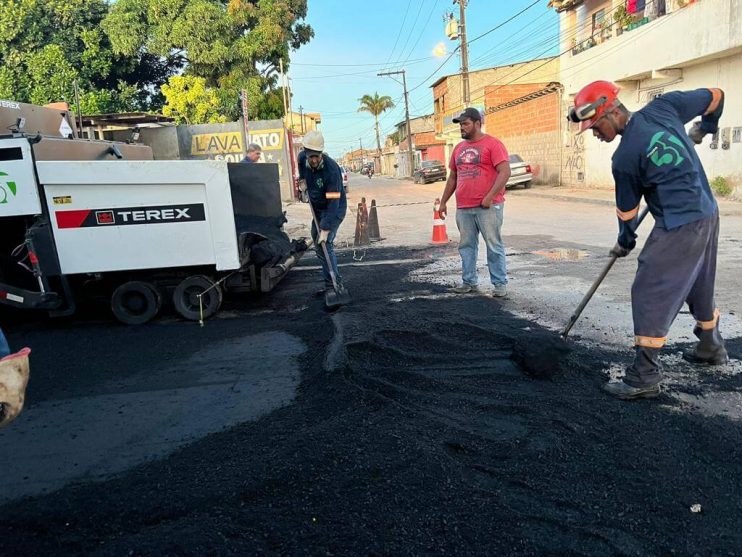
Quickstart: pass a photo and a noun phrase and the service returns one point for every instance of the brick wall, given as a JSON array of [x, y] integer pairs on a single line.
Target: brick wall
[[426, 138], [530, 129]]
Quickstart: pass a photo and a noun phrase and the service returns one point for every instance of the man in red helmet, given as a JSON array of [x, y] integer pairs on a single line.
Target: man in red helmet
[[656, 160]]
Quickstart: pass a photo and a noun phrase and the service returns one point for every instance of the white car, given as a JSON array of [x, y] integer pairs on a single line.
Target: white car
[[520, 173]]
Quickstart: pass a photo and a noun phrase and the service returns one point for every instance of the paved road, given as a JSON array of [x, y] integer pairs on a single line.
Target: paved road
[[237, 434], [573, 236]]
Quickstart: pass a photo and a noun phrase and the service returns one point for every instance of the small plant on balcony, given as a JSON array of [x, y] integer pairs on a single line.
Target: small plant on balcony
[[622, 19]]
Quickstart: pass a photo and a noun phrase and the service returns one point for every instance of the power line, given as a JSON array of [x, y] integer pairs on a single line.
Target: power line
[[565, 51], [576, 30], [409, 34], [377, 64], [496, 27], [435, 71], [399, 34], [422, 31], [485, 54]]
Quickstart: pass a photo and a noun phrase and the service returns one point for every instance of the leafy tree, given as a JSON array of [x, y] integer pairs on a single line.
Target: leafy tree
[[47, 45], [376, 106], [230, 44], [190, 101]]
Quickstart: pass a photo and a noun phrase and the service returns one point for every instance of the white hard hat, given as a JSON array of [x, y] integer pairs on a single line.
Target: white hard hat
[[314, 141]]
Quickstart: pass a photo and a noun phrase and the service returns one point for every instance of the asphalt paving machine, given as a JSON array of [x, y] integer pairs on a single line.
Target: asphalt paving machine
[[86, 218]]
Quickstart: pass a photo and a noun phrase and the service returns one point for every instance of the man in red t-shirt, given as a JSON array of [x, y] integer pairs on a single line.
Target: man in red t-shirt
[[479, 171]]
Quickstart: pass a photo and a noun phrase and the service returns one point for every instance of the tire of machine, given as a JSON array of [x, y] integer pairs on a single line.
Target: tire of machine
[[135, 302], [185, 297]]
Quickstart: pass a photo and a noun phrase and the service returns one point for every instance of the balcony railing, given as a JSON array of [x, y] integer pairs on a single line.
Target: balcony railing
[[626, 24]]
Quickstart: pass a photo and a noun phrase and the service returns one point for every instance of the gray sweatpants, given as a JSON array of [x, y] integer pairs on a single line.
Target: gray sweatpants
[[675, 267]]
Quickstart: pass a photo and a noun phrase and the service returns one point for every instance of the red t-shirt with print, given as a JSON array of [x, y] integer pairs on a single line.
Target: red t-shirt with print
[[474, 163]]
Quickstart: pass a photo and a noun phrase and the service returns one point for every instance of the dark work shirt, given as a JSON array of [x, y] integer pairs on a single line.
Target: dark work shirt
[[326, 191], [657, 160]]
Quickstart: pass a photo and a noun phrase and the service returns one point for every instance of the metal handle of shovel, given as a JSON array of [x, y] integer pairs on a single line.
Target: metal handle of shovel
[[324, 250], [596, 284]]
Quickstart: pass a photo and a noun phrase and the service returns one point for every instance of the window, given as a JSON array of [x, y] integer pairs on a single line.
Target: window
[[598, 19]]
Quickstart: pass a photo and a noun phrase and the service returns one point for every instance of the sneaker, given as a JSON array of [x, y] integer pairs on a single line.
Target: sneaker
[[624, 391], [464, 289], [500, 291]]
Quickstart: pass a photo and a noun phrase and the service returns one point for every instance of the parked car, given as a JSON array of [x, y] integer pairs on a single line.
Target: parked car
[[520, 173], [429, 171]]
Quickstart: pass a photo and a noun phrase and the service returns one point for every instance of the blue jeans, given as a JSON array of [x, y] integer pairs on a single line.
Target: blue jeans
[[488, 222], [4, 348], [330, 251]]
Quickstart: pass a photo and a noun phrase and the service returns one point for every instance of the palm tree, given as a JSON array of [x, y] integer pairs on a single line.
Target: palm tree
[[376, 105]]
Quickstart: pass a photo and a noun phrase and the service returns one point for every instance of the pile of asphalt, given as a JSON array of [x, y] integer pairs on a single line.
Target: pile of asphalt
[[425, 437]]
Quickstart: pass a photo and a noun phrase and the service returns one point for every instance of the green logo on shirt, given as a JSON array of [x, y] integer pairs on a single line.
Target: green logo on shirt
[[666, 149]]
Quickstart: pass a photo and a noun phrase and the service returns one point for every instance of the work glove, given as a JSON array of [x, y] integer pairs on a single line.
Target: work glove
[[323, 235], [696, 133], [619, 251]]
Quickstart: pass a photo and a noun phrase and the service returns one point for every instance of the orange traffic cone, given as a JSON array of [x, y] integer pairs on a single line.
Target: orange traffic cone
[[440, 236]]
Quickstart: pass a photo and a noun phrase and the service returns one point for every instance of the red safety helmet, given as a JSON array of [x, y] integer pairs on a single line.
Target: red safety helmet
[[592, 102]]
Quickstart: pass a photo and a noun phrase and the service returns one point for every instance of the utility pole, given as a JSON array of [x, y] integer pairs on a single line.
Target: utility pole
[[464, 51], [301, 117], [407, 118], [283, 89], [291, 110], [363, 159]]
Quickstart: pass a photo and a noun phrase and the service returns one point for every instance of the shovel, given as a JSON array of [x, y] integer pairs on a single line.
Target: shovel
[[541, 354], [596, 284], [339, 296]]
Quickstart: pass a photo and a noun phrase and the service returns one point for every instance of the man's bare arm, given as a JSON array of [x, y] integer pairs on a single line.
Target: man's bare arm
[[448, 192]]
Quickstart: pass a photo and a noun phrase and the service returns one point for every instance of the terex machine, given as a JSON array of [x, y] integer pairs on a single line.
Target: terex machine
[[84, 217]]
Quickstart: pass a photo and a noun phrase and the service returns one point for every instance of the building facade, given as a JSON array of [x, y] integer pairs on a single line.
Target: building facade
[[648, 48], [515, 110]]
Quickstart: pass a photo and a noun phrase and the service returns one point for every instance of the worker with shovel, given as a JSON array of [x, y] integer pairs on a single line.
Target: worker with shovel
[[656, 160], [328, 204]]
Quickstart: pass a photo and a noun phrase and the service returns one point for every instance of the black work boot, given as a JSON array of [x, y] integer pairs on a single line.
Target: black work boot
[[710, 348], [642, 377], [624, 391]]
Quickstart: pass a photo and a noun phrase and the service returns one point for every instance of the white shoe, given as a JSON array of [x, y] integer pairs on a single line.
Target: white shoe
[[464, 289], [500, 291]]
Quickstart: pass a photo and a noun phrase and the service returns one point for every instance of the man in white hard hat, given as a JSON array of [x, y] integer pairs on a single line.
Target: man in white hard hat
[[324, 183]]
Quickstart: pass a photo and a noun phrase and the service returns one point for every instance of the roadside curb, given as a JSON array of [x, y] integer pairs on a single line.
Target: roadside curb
[[574, 199], [726, 207]]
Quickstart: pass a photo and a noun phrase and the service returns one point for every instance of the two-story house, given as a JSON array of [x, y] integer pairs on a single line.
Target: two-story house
[[649, 47], [521, 104]]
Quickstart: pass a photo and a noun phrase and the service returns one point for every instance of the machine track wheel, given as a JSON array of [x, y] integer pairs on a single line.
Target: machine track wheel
[[135, 302], [186, 301]]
